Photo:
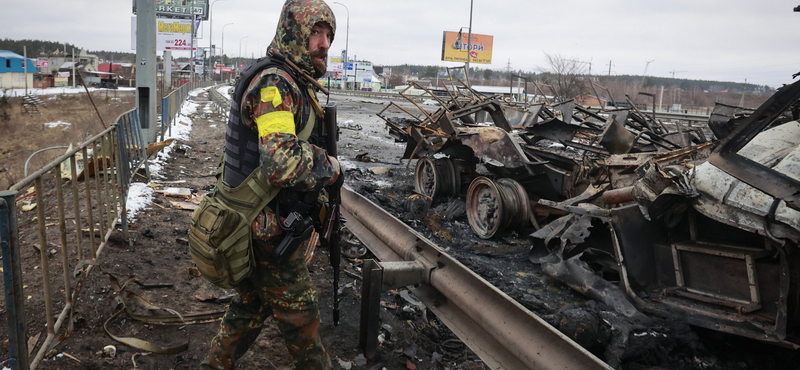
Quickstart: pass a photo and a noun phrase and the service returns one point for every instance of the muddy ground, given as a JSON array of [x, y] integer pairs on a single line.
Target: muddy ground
[[413, 338]]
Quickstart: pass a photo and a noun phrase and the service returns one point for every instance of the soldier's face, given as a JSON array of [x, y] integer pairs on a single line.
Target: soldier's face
[[318, 45]]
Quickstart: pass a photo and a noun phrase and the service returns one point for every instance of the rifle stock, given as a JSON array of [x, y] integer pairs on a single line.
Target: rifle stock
[[332, 227]]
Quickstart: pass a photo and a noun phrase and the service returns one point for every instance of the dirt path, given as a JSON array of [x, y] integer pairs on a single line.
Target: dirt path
[[157, 255], [412, 337]]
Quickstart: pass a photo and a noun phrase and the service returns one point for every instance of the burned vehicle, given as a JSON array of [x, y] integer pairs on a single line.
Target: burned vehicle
[[705, 230], [711, 241], [503, 156]]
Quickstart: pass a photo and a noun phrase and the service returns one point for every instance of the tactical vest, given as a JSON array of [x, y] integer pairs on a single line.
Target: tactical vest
[[220, 237], [241, 143]]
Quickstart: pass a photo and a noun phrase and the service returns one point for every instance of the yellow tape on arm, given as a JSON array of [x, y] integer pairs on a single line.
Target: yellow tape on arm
[[280, 121], [271, 94]]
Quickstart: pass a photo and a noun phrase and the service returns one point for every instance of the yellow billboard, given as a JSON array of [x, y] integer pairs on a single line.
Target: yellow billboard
[[454, 47]]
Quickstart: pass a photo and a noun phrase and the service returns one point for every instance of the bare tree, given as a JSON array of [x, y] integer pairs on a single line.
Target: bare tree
[[396, 80], [567, 75]]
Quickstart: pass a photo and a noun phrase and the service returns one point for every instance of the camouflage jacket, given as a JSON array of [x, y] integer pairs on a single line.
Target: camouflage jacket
[[269, 107], [273, 102]]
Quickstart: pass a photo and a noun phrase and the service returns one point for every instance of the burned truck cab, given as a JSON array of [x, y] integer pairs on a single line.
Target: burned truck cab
[[720, 247]]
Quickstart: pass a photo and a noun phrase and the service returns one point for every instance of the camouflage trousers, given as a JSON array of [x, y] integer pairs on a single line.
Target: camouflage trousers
[[284, 290]]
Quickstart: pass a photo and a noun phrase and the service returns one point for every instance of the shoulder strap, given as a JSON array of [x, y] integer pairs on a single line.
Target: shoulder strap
[[250, 197]]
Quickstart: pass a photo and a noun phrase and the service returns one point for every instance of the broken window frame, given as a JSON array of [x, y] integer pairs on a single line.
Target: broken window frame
[[757, 175]]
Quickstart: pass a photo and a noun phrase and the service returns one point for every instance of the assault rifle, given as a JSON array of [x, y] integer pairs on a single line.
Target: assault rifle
[[332, 227]]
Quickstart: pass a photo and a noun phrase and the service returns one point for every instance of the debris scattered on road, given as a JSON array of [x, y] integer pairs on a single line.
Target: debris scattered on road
[[176, 192]]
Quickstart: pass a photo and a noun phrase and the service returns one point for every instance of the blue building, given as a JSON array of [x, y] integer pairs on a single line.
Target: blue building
[[12, 71]]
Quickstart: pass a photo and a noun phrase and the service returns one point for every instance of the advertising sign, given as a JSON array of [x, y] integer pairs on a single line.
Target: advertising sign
[[454, 48], [171, 35], [60, 81], [42, 63], [180, 8], [335, 64]]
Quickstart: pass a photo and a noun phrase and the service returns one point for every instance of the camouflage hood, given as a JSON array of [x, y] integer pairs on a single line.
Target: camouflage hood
[[294, 29]]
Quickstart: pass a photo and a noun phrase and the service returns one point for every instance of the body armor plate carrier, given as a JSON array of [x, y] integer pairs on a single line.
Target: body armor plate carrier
[[241, 143]]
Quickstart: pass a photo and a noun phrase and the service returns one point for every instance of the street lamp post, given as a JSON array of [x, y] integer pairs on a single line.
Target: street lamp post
[[240, 50], [346, 41], [469, 38], [211, 36], [222, 74]]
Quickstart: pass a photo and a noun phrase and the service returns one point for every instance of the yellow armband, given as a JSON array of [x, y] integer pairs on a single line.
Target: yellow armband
[[272, 122]]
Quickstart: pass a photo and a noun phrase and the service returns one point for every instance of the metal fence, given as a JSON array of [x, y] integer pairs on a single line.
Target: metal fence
[[88, 185], [134, 155], [171, 104]]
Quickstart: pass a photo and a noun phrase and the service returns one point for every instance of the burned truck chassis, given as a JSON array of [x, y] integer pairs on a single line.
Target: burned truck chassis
[[674, 261]]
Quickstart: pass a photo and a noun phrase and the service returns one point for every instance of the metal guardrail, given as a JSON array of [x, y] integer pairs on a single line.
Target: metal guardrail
[[110, 158], [504, 334], [222, 102], [380, 95], [171, 104]]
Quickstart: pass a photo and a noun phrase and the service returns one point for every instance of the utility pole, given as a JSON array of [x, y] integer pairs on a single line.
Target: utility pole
[[146, 69], [25, 66], [645, 71], [346, 47], [741, 102], [211, 47], [582, 62], [469, 38], [191, 49], [674, 72], [609, 68]]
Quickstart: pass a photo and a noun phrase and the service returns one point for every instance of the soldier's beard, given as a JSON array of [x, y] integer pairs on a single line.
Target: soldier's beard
[[320, 66]]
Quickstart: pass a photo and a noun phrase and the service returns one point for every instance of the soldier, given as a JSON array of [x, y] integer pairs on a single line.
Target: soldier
[[277, 108]]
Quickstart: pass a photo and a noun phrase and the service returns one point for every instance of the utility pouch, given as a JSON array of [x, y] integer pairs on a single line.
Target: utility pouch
[[220, 239], [220, 243]]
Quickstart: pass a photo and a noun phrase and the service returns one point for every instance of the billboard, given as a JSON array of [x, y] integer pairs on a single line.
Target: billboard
[[180, 8], [454, 48], [335, 67], [171, 35]]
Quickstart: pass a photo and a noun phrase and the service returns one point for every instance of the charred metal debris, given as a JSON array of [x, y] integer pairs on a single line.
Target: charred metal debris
[[699, 221]]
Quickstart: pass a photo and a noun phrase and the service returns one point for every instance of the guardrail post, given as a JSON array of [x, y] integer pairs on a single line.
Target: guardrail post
[[372, 277], [12, 277]]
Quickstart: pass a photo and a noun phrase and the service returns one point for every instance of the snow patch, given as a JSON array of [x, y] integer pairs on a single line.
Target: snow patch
[[197, 92], [139, 197], [225, 90], [189, 107], [57, 123]]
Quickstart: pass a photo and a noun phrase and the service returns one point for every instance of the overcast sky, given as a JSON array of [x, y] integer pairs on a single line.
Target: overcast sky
[[730, 40]]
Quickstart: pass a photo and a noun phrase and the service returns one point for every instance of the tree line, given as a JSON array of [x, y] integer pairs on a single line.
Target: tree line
[[37, 48], [566, 78]]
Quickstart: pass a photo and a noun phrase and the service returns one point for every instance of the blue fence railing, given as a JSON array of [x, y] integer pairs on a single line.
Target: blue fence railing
[[129, 135], [100, 171]]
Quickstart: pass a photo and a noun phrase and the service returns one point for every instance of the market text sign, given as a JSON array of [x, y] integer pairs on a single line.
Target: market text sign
[[179, 8], [454, 48]]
